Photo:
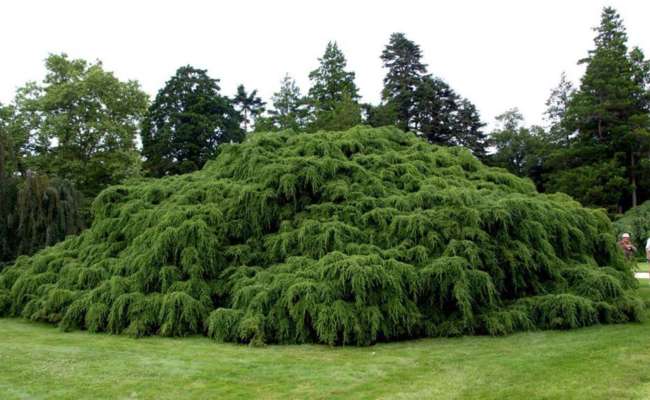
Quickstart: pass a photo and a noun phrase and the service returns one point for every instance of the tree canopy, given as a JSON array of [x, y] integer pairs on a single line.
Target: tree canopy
[[81, 123], [186, 123]]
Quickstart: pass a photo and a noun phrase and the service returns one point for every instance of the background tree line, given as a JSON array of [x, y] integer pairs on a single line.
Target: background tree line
[[66, 138]]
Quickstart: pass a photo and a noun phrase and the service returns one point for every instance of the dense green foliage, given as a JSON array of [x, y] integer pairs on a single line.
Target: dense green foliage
[[35, 211], [337, 237], [80, 124], [333, 96], [186, 123]]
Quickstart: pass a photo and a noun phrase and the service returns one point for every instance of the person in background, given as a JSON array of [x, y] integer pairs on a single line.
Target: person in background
[[626, 245], [647, 253]]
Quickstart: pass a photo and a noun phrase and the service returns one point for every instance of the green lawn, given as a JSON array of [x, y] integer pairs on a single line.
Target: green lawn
[[605, 362]]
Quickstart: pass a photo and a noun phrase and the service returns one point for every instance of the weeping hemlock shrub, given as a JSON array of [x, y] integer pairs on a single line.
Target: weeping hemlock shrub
[[340, 238]]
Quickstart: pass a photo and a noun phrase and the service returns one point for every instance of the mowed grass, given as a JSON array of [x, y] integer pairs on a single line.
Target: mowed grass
[[604, 362]]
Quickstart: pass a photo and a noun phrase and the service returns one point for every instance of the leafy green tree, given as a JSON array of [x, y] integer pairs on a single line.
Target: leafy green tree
[[186, 123], [14, 141], [249, 105], [82, 122], [403, 59], [519, 149], [289, 108], [610, 113]]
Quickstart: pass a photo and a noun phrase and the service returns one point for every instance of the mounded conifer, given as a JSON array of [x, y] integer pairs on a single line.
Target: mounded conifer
[[339, 237]]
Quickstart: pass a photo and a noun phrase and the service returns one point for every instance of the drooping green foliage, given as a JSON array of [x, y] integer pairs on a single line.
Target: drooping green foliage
[[36, 211], [336, 237]]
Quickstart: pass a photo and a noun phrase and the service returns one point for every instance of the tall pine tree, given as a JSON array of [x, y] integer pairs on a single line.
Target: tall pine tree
[[609, 112], [403, 59], [419, 102]]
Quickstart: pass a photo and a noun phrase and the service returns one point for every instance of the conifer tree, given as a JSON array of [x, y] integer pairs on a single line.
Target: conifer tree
[[435, 108], [468, 131], [186, 123], [331, 83], [333, 97], [289, 107], [609, 112], [556, 109], [403, 59], [421, 103], [344, 238]]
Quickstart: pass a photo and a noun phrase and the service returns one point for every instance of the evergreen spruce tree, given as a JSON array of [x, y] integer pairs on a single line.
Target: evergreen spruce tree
[[186, 123], [435, 108], [403, 59], [331, 83]]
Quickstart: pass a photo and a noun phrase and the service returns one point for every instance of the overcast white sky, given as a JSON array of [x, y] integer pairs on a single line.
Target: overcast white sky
[[499, 54]]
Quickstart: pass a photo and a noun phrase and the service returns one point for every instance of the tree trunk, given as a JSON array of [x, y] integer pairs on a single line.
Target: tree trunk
[[633, 179]]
